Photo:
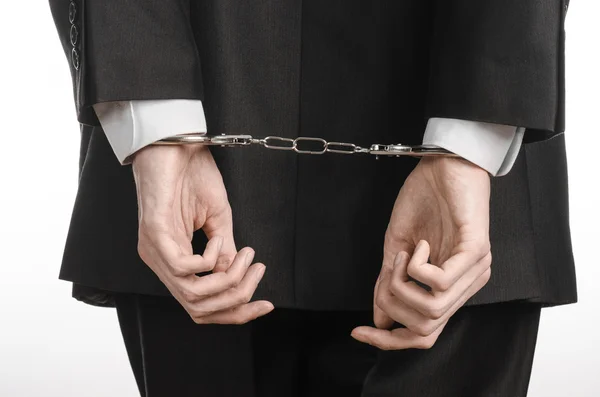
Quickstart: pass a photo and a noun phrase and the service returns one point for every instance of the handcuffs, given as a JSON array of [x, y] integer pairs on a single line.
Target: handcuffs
[[306, 145]]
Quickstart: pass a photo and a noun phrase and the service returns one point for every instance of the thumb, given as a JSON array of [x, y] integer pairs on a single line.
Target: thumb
[[221, 225], [380, 318]]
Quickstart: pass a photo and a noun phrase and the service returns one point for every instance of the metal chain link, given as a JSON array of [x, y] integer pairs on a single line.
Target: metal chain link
[[296, 145], [305, 145]]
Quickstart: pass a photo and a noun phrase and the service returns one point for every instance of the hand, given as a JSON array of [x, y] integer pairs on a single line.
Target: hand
[[180, 190], [442, 214]]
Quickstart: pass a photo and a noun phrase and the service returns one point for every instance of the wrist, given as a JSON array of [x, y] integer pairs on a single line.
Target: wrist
[[461, 163], [472, 167], [440, 170], [165, 154]]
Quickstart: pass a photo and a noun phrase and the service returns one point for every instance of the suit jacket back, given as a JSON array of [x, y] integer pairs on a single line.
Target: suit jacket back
[[350, 71]]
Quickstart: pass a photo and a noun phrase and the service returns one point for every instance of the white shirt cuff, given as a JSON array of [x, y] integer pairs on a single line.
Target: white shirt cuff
[[132, 125], [493, 147]]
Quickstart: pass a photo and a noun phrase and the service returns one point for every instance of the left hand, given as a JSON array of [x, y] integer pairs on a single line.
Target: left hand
[[180, 190], [442, 214]]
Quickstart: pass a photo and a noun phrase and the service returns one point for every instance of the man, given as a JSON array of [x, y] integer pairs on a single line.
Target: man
[[345, 240]]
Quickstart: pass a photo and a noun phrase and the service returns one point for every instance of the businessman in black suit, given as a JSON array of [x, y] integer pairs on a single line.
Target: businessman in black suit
[[396, 254]]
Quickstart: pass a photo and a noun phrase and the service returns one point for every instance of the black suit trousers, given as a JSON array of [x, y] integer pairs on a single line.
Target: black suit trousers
[[484, 351]]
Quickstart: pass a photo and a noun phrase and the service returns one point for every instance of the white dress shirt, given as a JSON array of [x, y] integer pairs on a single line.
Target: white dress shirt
[[132, 125]]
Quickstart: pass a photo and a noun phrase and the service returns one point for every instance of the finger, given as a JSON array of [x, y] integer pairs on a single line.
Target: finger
[[479, 283], [406, 290], [399, 274], [397, 339], [195, 288], [179, 263], [435, 325], [232, 297], [205, 262], [441, 278], [472, 290], [405, 315], [238, 315], [457, 265], [434, 304], [213, 250], [419, 263], [221, 224], [380, 318], [426, 332], [395, 309]]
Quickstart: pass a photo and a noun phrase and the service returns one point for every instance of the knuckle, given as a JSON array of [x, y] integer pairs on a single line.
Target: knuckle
[[197, 313], [238, 299], [484, 247], [396, 286], [423, 329], [231, 282], [241, 297], [441, 284], [435, 310], [381, 301], [487, 259], [426, 343], [177, 270], [198, 319], [411, 270], [223, 262], [247, 295], [142, 250], [392, 237], [189, 295], [487, 275], [226, 211]]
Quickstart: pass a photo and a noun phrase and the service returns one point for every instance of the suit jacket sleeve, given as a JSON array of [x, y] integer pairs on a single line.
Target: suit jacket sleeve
[[128, 50], [499, 61]]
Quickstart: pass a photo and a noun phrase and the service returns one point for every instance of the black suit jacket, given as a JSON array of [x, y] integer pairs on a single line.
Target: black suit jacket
[[350, 71]]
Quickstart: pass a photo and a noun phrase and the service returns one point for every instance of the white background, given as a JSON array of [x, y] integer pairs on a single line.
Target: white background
[[50, 345]]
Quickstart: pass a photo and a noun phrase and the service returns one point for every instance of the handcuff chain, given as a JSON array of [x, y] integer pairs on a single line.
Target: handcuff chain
[[297, 144], [305, 145]]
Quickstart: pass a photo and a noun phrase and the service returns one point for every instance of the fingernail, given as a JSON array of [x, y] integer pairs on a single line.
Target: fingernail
[[267, 307], [420, 246], [261, 272], [249, 257], [358, 332], [219, 242]]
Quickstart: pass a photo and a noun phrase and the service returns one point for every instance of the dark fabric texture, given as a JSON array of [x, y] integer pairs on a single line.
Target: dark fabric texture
[[130, 49], [288, 353], [511, 48], [485, 351], [349, 71]]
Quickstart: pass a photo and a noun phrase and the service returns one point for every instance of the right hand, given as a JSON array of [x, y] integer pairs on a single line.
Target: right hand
[[180, 190]]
